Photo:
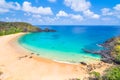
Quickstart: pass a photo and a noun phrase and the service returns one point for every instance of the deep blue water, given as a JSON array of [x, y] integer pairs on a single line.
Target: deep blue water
[[67, 43]]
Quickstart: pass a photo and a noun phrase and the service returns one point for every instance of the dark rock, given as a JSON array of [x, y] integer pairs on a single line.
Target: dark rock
[[1, 73], [117, 62], [110, 40], [89, 67], [48, 30], [44, 30], [83, 63], [25, 30], [87, 51], [105, 53], [40, 30], [32, 53], [38, 54], [91, 51], [30, 57], [26, 56], [106, 60]]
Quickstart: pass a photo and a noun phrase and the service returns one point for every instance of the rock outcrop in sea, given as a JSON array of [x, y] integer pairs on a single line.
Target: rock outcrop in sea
[[48, 30]]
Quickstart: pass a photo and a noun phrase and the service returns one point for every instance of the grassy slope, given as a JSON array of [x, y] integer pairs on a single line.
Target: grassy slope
[[16, 27]]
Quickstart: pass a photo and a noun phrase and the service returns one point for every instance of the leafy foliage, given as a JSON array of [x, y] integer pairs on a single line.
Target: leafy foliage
[[117, 58], [112, 74], [117, 48], [114, 45], [116, 53], [95, 76], [16, 27]]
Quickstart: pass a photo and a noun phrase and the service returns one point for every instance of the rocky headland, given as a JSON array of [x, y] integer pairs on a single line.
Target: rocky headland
[[111, 51], [17, 27]]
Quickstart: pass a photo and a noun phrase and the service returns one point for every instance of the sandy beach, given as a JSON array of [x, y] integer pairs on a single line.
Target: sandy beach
[[16, 63]]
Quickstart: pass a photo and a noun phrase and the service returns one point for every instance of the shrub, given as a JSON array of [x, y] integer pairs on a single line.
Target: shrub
[[112, 73], [95, 76]]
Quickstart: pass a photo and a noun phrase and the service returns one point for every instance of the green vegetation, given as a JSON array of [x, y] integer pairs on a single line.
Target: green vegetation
[[112, 73], [115, 53], [16, 27], [114, 49], [117, 58], [95, 76]]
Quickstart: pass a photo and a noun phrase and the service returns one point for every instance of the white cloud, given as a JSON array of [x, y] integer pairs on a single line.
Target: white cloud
[[106, 11], [36, 16], [117, 7], [3, 10], [13, 19], [61, 14], [82, 6], [7, 6], [52, 0], [27, 14], [115, 11], [106, 19], [78, 5], [27, 7], [77, 17], [90, 14], [109, 20]]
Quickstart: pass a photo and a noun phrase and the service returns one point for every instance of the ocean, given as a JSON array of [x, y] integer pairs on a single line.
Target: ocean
[[68, 42]]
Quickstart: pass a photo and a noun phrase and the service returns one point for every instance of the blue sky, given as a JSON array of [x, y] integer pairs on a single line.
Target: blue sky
[[61, 12]]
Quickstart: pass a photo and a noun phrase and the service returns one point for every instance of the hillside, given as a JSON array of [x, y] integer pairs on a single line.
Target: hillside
[[16, 27], [113, 46], [113, 52]]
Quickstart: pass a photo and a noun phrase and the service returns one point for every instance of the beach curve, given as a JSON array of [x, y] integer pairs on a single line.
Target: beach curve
[[19, 64]]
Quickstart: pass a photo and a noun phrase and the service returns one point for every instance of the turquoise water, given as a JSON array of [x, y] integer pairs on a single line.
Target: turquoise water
[[67, 43]]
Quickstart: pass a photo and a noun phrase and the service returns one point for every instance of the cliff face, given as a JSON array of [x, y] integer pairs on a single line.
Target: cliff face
[[15, 27]]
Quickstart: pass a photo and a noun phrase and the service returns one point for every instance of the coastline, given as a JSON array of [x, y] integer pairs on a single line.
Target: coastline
[[50, 54], [19, 64]]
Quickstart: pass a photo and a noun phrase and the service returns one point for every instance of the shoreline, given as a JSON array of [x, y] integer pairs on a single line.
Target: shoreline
[[18, 63], [89, 61]]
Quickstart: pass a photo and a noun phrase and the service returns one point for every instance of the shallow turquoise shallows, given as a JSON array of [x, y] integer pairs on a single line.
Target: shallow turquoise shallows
[[68, 42]]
